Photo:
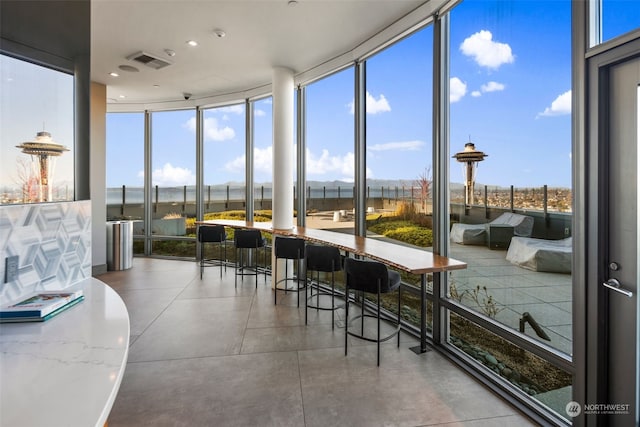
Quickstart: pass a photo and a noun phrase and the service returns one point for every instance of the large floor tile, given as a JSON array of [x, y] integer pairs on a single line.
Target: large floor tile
[[146, 305], [248, 390], [194, 328], [407, 390]]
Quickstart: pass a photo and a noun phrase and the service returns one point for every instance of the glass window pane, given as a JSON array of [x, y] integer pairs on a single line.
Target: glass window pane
[[224, 159], [36, 133], [125, 167], [619, 17], [525, 371], [511, 189], [262, 157], [329, 152], [173, 175], [399, 150], [511, 98]]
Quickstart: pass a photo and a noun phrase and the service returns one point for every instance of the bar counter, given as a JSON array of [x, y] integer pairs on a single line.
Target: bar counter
[[410, 259]]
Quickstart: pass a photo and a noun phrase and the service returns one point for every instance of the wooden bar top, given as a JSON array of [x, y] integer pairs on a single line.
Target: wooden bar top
[[410, 259]]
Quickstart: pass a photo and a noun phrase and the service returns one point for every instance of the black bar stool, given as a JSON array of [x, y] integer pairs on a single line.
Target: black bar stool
[[245, 242], [216, 235], [374, 278], [288, 249], [325, 259]]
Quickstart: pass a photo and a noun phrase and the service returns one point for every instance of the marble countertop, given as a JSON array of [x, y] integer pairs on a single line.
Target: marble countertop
[[65, 371]]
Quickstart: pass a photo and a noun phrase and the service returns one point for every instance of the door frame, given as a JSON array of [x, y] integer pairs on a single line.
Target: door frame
[[590, 260]]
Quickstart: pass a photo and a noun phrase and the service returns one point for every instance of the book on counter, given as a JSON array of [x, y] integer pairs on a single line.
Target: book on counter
[[40, 306]]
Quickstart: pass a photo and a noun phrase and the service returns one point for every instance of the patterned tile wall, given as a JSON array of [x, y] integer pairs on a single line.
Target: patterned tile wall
[[53, 241]]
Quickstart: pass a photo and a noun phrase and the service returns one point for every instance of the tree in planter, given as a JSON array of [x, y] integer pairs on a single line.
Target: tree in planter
[[424, 184]]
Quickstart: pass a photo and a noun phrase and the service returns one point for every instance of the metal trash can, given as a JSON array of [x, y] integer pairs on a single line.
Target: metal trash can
[[119, 245]]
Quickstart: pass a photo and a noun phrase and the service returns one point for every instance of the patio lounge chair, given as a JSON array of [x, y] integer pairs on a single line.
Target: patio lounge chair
[[553, 256], [476, 234]]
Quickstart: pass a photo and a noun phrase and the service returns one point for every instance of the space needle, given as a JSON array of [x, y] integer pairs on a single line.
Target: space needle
[[44, 151], [470, 157]]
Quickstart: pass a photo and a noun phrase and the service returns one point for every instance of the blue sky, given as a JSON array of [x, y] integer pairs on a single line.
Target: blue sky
[[510, 95]]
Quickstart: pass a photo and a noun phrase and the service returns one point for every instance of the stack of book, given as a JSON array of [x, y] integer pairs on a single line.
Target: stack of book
[[40, 306]]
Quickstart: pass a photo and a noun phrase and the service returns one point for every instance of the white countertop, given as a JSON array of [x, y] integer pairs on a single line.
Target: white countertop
[[65, 371]]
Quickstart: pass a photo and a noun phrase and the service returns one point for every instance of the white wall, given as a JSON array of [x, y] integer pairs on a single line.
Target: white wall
[[98, 178]]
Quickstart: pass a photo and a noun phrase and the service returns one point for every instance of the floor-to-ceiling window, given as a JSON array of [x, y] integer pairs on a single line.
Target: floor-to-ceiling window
[[399, 150], [510, 138], [173, 179], [125, 169], [224, 159], [262, 157], [329, 152]]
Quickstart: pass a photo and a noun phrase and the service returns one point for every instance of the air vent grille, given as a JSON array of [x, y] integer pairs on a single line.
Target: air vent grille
[[149, 60]]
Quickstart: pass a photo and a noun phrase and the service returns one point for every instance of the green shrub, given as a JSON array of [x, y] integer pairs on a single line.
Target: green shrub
[[412, 235], [404, 231]]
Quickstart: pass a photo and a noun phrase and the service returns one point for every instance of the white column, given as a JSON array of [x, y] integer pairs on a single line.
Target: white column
[[283, 114], [282, 195]]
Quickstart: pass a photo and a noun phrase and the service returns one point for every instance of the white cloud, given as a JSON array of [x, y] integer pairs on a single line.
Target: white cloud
[[488, 87], [235, 109], [236, 165], [560, 106], [486, 52], [398, 146], [212, 130], [259, 113], [326, 164], [492, 87], [262, 161], [374, 106], [457, 89], [215, 132], [170, 176]]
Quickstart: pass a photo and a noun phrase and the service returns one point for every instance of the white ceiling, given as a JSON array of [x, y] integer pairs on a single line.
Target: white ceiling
[[260, 34]]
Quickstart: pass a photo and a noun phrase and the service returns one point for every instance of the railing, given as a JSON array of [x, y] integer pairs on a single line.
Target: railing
[[128, 201]]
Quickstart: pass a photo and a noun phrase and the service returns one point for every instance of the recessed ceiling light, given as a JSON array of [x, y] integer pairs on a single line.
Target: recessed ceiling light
[[219, 33], [129, 68], [192, 43], [156, 86], [114, 74], [170, 52], [122, 97], [292, 3]]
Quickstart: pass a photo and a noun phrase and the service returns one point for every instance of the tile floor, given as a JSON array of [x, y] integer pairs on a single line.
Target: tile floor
[[204, 353]]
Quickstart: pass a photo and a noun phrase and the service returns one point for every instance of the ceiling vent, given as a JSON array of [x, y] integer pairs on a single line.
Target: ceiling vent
[[149, 60]]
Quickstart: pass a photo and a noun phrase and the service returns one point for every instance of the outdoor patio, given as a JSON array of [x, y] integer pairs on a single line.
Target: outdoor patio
[[516, 290]]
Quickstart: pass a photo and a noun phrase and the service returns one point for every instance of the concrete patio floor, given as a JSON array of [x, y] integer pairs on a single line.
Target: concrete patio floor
[[516, 290]]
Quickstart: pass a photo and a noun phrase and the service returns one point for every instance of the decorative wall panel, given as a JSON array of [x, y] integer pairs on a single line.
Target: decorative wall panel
[[53, 241]]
